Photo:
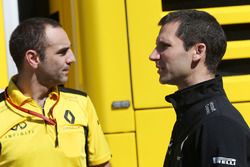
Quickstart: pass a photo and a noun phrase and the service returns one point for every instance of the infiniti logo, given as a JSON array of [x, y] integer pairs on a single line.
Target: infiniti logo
[[20, 126]]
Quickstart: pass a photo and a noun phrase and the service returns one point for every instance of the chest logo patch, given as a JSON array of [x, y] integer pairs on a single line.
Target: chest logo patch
[[69, 117], [19, 126], [19, 130], [210, 107]]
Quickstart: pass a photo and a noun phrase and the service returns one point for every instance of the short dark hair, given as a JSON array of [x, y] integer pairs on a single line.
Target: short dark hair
[[200, 27], [30, 34]]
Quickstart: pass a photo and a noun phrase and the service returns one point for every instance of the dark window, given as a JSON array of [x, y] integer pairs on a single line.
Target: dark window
[[234, 67], [237, 31], [35, 8]]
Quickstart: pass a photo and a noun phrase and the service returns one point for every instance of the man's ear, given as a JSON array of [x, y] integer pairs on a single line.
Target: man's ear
[[32, 58], [199, 51]]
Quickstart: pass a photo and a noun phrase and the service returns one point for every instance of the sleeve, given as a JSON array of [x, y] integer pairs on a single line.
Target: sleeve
[[223, 143], [98, 149]]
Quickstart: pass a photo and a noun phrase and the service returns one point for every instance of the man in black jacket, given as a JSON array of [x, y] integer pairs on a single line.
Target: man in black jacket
[[209, 131]]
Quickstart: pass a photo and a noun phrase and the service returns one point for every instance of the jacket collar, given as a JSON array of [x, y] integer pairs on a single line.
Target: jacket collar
[[185, 98]]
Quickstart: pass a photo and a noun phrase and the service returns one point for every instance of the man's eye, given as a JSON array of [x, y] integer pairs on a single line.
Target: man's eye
[[162, 46], [63, 51]]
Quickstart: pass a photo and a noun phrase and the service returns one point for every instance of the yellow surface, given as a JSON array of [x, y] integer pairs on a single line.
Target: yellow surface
[[54, 6], [153, 132], [231, 14], [106, 61], [244, 110], [68, 17], [3, 56], [228, 14], [123, 149], [237, 49], [237, 88], [143, 18]]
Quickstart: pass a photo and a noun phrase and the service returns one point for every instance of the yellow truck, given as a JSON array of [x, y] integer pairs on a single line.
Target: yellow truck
[[112, 40]]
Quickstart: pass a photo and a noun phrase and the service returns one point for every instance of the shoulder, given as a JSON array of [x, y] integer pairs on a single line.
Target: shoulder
[[73, 97], [219, 132], [224, 114], [224, 126], [70, 91]]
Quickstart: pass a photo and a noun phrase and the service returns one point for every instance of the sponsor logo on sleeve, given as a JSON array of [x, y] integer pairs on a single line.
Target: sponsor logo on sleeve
[[224, 161]]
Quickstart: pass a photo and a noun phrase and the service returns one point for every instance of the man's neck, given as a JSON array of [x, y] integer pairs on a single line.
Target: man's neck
[[32, 88], [195, 79]]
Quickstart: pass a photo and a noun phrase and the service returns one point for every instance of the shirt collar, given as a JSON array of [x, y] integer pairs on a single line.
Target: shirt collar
[[20, 99], [15, 94]]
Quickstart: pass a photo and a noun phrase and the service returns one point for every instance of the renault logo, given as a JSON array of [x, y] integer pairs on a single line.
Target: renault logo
[[69, 117]]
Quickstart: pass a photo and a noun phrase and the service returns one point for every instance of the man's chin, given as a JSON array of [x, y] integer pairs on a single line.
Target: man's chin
[[162, 81], [165, 81], [63, 81]]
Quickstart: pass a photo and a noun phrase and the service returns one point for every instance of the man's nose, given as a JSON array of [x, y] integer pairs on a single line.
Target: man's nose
[[71, 57], [154, 56]]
